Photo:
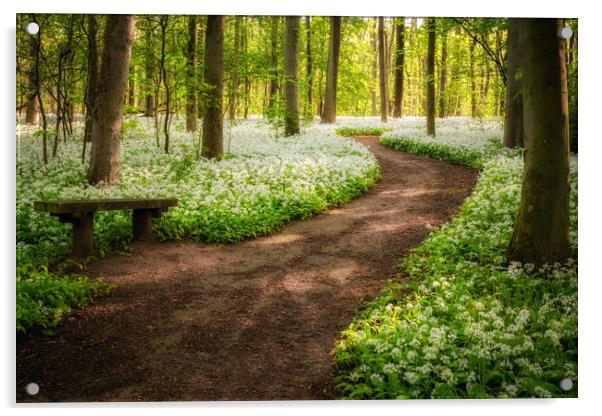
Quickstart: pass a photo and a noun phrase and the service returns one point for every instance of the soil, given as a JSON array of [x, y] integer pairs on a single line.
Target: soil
[[256, 320]]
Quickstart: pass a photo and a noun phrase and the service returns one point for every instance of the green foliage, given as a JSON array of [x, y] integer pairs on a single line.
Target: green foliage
[[459, 322], [362, 131]]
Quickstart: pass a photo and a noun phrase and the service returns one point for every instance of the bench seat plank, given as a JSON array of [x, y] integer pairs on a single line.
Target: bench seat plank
[[81, 206]]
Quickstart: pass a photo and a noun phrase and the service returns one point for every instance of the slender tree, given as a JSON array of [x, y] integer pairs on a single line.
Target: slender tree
[[164, 23], [274, 62], [309, 68], [399, 64], [541, 233], [149, 106], [329, 112], [374, 66], [382, 70], [443, 76], [291, 91], [213, 123], [473, 83], [513, 118], [430, 77], [232, 102], [107, 110], [92, 26], [191, 79]]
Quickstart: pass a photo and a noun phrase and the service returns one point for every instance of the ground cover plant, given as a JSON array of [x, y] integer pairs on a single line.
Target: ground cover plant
[[462, 322], [262, 182]]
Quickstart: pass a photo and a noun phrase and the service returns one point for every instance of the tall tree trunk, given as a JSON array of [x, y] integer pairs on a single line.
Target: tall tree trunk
[[36, 45], [107, 111], [149, 107], [382, 70], [92, 23], [234, 78], [274, 62], [443, 76], [213, 122], [399, 60], [473, 84], [191, 79], [513, 119], [541, 233], [247, 79], [309, 69], [164, 22], [31, 112], [430, 77], [291, 92], [329, 112], [374, 41]]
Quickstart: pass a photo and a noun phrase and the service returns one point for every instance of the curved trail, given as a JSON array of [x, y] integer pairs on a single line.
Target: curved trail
[[253, 321]]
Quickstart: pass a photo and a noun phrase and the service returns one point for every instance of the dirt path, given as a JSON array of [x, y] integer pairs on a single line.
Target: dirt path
[[252, 321]]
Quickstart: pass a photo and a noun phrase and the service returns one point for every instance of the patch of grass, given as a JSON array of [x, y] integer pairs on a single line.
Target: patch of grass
[[362, 131]]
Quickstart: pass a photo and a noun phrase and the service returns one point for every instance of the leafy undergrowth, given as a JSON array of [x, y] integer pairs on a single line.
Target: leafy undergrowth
[[362, 131], [262, 182], [462, 323]]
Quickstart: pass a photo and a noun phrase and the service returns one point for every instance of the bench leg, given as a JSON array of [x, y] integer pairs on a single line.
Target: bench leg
[[83, 241], [142, 224]]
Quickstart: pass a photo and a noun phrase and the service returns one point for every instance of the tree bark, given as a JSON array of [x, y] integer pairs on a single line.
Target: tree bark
[[164, 22], [309, 69], [192, 86], [274, 63], [374, 43], [213, 123], [92, 24], [329, 112], [234, 78], [473, 84], [291, 92], [399, 61], [31, 112], [513, 118], [107, 110], [149, 108], [384, 103], [541, 233], [430, 78], [442, 77]]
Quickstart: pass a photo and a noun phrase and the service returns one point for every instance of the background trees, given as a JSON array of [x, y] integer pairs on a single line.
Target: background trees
[[470, 64]]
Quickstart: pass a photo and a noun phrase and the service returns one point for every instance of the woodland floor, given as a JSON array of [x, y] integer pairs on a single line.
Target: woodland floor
[[256, 320]]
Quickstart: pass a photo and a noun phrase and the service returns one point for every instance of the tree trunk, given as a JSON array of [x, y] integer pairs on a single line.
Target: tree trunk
[[382, 70], [191, 93], [513, 119], [310, 75], [329, 112], [443, 76], [234, 78], [149, 107], [399, 58], [291, 92], [430, 77], [473, 84], [92, 76], [164, 22], [274, 63], [31, 114], [132, 90], [541, 233], [107, 110], [213, 123]]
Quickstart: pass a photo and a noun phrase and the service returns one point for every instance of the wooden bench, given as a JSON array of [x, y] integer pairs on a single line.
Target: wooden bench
[[81, 215]]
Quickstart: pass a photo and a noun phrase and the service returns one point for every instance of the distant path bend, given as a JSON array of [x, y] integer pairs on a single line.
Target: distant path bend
[[256, 320]]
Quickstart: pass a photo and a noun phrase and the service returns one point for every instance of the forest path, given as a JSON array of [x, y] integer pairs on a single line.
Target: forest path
[[256, 320]]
